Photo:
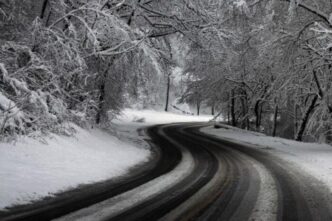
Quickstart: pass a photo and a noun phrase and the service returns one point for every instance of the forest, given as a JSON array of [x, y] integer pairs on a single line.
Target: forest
[[263, 65]]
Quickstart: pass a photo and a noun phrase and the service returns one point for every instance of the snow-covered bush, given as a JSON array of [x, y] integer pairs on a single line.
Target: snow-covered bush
[[82, 60], [44, 81], [69, 62], [32, 99]]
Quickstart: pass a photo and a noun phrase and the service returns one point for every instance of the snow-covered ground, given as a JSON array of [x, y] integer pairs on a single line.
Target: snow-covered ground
[[126, 125], [159, 117], [314, 158], [30, 170], [130, 120]]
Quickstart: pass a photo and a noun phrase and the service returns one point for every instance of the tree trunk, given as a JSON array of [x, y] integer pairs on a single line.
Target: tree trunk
[[305, 119], [101, 113], [132, 14], [167, 91], [260, 114], [228, 111], [212, 109], [244, 106], [101, 102], [275, 121], [245, 120], [257, 113], [42, 13], [198, 107], [295, 119], [233, 109], [169, 73]]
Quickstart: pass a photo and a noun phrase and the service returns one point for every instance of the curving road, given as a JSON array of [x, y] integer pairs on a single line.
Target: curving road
[[232, 175], [196, 176]]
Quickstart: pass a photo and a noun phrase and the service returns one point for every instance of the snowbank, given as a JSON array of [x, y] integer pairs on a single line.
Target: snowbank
[[159, 117], [316, 159], [30, 170]]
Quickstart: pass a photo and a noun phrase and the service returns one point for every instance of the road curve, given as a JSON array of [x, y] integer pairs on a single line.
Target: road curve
[[225, 181], [229, 170], [163, 161]]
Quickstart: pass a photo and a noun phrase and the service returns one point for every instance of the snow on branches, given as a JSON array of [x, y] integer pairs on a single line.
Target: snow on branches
[[69, 62]]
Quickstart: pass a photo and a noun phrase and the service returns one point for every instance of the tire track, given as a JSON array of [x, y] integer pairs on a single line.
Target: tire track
[[165, 160], [301, 197], [225, 180], [204, 170]]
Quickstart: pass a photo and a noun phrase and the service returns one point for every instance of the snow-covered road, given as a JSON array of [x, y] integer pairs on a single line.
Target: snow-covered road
[[199, 172], [215, 179], [314, 158]]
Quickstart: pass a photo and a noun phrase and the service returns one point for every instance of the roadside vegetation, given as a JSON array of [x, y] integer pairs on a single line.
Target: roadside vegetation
[[262, 65]]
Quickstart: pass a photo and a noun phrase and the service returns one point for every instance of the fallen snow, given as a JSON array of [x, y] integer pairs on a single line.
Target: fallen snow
[[127, 126], [266, 206], [30, 170], [158, 117], [314, 158]]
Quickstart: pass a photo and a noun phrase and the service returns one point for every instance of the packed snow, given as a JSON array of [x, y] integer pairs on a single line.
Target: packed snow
[[113, 206], [126, 126], [30, 170], [314, 158]]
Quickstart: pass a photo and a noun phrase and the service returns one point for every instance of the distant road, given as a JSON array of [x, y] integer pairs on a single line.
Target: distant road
[[214, 179]]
